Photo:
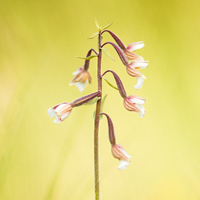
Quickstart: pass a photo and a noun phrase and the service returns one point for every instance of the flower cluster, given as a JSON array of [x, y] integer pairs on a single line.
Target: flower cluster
[[132, 62]]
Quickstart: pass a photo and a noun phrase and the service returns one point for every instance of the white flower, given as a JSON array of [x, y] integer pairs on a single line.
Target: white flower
[[60, 111], [119, 152], [81, 79], [135, 103]]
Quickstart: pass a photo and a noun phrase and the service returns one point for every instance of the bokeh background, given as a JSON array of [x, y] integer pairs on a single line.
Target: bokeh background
[[41, 160]]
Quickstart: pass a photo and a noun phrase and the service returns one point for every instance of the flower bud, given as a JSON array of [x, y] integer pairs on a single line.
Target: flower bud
[[134, 103], [119, 152], [60, 111], [81, 79]]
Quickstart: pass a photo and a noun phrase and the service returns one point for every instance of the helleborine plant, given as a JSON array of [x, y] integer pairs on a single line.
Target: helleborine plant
[[131, 103]]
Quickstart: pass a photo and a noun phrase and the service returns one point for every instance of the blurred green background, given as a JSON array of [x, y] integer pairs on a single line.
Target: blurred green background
[[41, 160]]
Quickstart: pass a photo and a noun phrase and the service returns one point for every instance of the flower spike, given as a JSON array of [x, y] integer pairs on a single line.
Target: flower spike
[[135, 104]]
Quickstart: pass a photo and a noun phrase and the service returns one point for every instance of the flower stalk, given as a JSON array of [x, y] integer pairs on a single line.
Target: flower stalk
[[96, 123]]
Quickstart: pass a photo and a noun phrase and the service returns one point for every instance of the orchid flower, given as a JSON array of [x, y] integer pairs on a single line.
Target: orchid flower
[[135, 104], [61, 111], [119, 152], [81, 79]]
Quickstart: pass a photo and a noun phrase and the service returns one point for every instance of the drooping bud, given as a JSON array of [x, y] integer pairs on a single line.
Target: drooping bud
[[118, 82], [60, 111], [119, 51], [110, 129], [134, 103], [119, 152], [82, 100]]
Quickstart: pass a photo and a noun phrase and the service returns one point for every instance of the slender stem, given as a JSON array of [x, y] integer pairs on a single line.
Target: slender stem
[[96, 125]]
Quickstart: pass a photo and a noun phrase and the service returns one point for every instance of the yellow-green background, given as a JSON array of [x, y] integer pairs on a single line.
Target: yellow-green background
[[41, 160]]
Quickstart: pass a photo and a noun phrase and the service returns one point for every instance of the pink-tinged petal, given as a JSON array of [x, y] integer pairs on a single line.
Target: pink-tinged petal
[[135, 45], [132, 56], [123, 164], [134, 72], [136, 99], [119, 152]]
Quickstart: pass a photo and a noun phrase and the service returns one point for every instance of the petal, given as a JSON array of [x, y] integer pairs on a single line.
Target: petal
[[139, 84], [51, 112], [80, 69], [142, 110], [75, 73], [65, 115], [139, 64], [135, 45], [60, 108], [123, 164], [136, 100], [57, 120], [142, 65], [125, 153], [81, 86]]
